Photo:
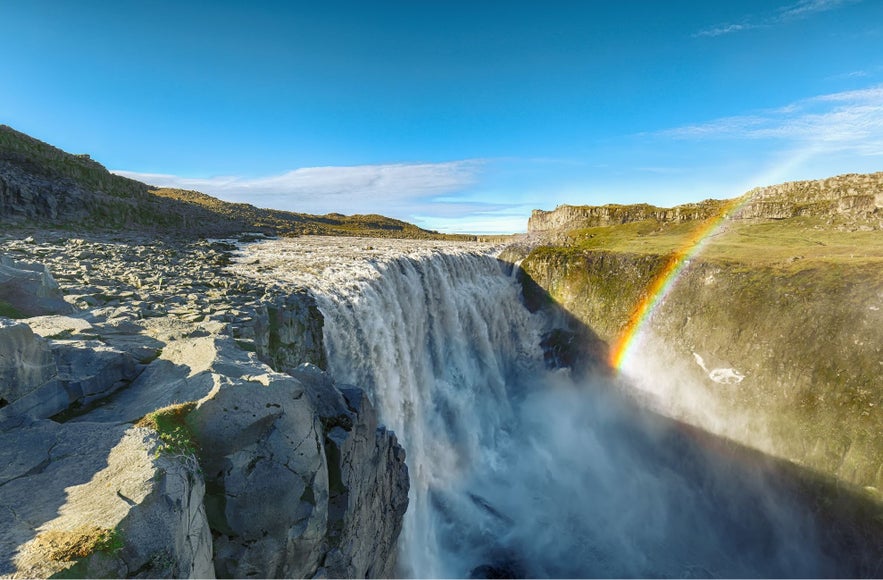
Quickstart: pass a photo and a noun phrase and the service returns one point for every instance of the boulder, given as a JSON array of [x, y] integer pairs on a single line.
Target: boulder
[[26, 361], [29, 289]]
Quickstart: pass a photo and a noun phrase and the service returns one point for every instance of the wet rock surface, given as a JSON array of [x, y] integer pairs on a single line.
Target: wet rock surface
[[270, 474]]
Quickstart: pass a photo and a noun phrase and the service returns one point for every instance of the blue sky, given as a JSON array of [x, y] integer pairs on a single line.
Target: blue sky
[[457, 116]]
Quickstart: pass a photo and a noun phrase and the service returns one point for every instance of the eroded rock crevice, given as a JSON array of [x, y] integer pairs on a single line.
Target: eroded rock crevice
[[277, 471]]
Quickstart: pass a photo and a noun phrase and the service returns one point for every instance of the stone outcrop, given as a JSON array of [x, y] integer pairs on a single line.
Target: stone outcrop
[[26, 361], [288, 332], [856, 196], [43, 379], [566, 217], [29, 289], [271, 474], [99, 500]]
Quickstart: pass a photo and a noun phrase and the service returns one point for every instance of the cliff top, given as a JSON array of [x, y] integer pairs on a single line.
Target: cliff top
[[856, 196], [42, 185], [793, 225]]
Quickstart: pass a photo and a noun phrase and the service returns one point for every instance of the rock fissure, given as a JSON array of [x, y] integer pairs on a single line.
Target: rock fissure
[[206, 347]]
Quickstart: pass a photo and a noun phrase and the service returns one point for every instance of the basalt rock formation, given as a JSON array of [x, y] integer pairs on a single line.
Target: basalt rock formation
[[860, 196], [581, 216], [142, 435], [771, 336]]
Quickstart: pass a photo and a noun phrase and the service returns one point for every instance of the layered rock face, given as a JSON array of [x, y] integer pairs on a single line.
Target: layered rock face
[[585, 216], [853, 194], [264, 474], [787, 363], [781, 354], [843, 195]]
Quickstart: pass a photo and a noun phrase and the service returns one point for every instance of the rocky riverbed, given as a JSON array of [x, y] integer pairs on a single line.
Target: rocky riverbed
[[163, 417]]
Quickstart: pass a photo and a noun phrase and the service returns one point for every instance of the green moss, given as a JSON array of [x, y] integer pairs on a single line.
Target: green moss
[[791, 244], [79, 543], [7, 310], [170, 424]]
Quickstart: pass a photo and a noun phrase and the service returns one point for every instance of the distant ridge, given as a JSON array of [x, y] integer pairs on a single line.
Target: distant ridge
[[854, 196], [43, 186]]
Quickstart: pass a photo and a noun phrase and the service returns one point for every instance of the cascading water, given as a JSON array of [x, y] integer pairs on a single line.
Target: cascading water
[[443, 346], [515, 468]]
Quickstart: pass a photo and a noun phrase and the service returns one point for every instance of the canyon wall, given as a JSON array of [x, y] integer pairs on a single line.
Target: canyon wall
[[783, 354], [858, 195], [145, 436], [805, 348]]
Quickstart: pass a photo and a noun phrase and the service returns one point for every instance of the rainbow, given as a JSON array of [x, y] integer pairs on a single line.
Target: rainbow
[[668, 276], [665, 281]]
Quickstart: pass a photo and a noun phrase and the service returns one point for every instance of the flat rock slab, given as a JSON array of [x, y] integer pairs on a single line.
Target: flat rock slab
[[38, 464], [52, 326], [58, 480]]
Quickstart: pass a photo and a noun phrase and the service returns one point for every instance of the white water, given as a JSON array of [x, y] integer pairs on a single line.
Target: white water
[[512, 464]]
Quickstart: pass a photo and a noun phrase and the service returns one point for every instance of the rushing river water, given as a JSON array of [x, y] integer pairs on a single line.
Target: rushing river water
[[517, 469]]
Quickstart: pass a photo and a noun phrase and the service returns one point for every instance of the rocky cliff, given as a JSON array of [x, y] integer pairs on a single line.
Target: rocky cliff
[[582, 216], [860, 196], [772, 335], [144, 436]]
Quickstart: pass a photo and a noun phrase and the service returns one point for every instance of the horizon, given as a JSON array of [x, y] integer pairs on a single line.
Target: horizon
[[457, 117]]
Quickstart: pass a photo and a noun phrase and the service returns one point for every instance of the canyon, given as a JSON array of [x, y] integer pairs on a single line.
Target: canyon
[[220, 401]]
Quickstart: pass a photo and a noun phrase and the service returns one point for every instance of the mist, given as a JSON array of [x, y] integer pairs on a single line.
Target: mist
[[522, 470]]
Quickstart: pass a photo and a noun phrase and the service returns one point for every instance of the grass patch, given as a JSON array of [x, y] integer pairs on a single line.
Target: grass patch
[[7, 310], [63, 335], [68, 546], [170, 424], [793, 244]]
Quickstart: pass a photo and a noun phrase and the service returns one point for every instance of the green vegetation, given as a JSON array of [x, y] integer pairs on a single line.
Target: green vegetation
[[67, 546], [170, 424], [116, 202], [794, 244], [7, 310], [792, 302]]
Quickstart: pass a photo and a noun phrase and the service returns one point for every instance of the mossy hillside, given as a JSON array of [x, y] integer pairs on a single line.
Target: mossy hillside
[[794, 306], [76, 192], [44, 159], [793, 243]]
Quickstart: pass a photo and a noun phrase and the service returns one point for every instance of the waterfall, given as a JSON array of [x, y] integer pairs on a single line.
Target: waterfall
[[521, 470], [443, 346]]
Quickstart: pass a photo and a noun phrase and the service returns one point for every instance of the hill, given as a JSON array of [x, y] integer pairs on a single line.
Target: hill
[[43, 186]]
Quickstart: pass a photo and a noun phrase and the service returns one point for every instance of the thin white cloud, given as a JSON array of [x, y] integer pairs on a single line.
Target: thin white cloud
[[437, 196], [855, 74], [849, 120], [347, 189], [796, 11], [806, 8], [722, 29], [333, 185]]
